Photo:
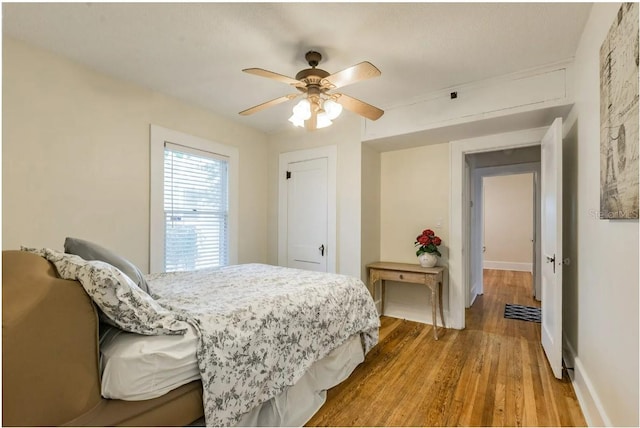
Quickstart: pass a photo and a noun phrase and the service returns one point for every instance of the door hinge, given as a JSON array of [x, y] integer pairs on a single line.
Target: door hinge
[[552, 260], [288, 175]]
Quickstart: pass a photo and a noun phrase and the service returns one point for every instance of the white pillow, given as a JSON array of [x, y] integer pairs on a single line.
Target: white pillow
[[137, 367]]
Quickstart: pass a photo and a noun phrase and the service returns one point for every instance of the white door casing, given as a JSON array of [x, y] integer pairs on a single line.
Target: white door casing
[[537, 273], [298, 159], [551, 243], [469, 233], [459, 215], [459, 253], [307, 214]]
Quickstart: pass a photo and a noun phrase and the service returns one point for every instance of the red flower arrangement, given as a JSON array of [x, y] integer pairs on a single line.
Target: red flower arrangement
[[428, 242]]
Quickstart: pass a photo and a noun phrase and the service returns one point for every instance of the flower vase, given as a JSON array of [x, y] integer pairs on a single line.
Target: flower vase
[[427, 259]]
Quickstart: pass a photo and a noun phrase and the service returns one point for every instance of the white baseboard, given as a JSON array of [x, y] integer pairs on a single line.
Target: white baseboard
[[406, 312], [521, 267], [473, 299], [476, 290], [590, 403]]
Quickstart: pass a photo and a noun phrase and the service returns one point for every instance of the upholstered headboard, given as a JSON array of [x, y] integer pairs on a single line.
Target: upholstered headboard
[[50, 357], [47, 377]]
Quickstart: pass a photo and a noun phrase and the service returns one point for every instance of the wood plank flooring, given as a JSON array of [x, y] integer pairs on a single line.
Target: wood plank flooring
[[493, 373]]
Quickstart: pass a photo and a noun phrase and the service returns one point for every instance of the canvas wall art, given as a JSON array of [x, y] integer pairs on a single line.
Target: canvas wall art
[[619, 117]]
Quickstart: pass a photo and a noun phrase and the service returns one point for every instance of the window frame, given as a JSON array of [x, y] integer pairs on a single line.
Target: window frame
[[158, 137]]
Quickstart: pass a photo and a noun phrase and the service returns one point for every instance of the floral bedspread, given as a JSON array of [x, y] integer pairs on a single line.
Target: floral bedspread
[[261, 327]]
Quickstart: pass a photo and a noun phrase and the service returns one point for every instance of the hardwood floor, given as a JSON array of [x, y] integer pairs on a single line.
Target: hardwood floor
[[493, 373]]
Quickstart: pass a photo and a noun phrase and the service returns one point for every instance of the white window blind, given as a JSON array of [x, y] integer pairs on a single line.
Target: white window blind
[[196, 208]]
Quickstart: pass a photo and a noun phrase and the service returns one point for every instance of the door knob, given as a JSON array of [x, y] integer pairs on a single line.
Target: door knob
[[321, 250]]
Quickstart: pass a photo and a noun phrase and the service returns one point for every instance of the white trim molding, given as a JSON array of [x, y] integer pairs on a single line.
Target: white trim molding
[[458, 254], [497, 265], [589, 401], [528, 90], [158, 136], [411, 313]]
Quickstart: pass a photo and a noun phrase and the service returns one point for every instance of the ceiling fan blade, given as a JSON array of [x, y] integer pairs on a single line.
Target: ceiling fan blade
[[275, 76], [358, 107], [364, 70], [263, 106]]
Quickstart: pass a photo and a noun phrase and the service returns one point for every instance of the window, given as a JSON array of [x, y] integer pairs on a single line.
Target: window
[[195, 209], [193, 202]]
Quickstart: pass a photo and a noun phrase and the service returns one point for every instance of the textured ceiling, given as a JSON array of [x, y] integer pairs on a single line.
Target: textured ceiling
[[196, 51]]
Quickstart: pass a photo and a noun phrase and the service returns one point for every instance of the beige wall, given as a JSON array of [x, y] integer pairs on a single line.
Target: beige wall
[[75, 157], [370, 239], [605, 340], [345, 134], [414, 190], [508, 221]]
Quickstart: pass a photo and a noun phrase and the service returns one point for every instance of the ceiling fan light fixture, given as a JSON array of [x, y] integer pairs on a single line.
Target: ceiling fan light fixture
[[323, 120], [296, 120], [332, 108], [302, 110]]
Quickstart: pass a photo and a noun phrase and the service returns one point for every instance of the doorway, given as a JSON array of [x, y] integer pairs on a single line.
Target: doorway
[[509, 178], [508, 224], [460, 209], [307, 209], [550, 142]]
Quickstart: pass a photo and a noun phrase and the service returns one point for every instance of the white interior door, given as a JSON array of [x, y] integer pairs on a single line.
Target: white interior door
[[307, 214], [551, 242]]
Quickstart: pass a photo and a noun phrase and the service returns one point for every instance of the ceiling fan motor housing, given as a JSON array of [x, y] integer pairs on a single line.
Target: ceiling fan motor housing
[[313, 76], [313, 58]]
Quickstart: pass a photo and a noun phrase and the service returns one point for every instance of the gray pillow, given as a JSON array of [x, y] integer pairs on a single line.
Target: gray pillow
[[122, 303], [90, 251]]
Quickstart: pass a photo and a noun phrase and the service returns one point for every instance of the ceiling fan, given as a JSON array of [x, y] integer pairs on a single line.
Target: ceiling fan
[[320, 107]]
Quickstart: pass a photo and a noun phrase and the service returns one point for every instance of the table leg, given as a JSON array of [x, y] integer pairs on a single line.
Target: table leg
[[440, 303], [434, 300], [372, 285], [374, 277]]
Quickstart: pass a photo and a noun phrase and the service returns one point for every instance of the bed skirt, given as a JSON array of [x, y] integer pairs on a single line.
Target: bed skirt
[[297, 404]]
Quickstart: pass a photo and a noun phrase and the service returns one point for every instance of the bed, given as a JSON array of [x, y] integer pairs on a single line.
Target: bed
[[267, 348]]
